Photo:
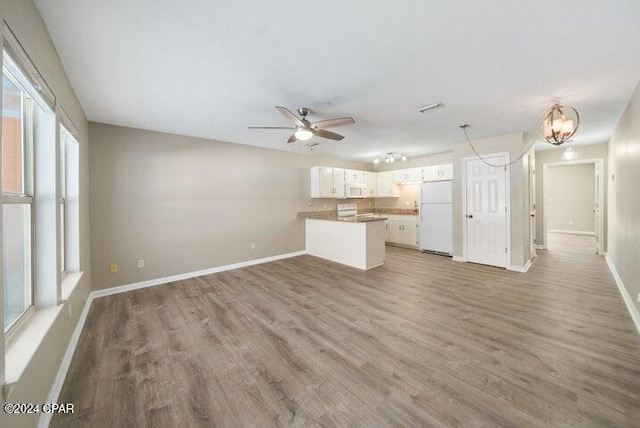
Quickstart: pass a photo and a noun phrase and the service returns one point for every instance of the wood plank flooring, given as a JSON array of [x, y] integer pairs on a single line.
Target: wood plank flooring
[[568, 243], [420, 341]]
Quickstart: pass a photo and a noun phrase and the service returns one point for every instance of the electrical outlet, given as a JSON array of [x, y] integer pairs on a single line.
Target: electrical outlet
[[70, 311], [253, 245], [140, 263], [325, 205], [113, 268], [407, 203]]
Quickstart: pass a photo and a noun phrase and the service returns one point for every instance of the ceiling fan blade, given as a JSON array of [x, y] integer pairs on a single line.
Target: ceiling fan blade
[[333, 123], [327, 134], [292, 139], [271, 127], [290, 116]]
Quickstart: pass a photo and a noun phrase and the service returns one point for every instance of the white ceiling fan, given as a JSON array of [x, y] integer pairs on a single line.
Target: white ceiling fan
[[305, 130]]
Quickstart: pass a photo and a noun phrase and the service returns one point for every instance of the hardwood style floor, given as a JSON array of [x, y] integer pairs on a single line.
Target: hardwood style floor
[[567, 243], [421, 341]]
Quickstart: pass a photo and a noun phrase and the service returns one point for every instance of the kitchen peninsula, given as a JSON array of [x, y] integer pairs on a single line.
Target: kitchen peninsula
[[357, 241]]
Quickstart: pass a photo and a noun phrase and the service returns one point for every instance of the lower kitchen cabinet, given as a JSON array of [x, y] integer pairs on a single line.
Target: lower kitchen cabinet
[[403, 230]]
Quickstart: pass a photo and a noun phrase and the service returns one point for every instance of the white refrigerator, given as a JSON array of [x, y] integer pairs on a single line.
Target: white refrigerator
[[436, 211]]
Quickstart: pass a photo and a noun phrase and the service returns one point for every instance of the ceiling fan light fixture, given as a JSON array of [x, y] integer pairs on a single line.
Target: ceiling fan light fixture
[[303, 134]]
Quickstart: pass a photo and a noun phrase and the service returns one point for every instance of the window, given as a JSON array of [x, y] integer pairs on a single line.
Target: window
[[69, 227], [17, 198]]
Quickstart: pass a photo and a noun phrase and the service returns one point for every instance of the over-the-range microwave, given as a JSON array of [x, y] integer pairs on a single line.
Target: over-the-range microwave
[[355, 190]]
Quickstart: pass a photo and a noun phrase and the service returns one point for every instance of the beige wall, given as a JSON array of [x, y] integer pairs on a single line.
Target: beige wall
[[186, 204], [624, 198], [570, 198], [35, 383], [514, 144], [546, 157]]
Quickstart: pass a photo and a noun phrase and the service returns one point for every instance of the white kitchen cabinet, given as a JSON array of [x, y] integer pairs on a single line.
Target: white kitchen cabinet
[[352, 175], [386, 187], [394, 231], [446, 171], [327, 182], [408, 175], [371, 181], [403, 230], [438, 172]]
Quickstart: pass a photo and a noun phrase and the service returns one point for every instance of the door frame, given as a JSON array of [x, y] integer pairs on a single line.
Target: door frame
[[507, 197], [599, 170]]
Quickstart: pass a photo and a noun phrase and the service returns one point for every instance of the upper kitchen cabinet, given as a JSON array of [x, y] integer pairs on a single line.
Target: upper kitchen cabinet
[[327, 182], [409, 175], [438, 172], [370, 180], [386, 187], [354, 176]]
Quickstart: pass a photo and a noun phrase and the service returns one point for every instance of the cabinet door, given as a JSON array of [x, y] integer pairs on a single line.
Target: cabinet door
[[410, 233], [352, 175], [383, 180], [326, 182], [431, 173], [370, 180], [321, 180], [399, 175], [338, 183], [394, 231], [446, 171], [413, 175]]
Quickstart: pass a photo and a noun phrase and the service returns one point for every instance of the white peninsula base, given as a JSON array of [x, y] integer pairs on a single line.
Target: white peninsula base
[[356, 244]]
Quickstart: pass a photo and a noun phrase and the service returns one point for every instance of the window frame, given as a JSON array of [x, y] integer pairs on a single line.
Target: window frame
[[26, 197]]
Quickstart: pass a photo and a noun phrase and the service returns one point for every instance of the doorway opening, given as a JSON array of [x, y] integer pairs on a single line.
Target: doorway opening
[[573, 220]]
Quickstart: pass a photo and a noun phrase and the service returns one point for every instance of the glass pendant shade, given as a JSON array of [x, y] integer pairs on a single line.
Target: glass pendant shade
[[557, 128]]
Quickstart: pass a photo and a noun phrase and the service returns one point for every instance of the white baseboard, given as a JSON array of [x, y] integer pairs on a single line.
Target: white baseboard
[[572, 232], [182, 276], [628, 301], [45, 418], [522, 269], [459, 259], [541, 247]]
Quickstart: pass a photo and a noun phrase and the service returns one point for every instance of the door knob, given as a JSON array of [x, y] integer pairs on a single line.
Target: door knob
[[469, 215]]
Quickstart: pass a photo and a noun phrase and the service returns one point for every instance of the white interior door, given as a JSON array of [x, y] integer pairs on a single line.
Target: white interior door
[[486, 211]]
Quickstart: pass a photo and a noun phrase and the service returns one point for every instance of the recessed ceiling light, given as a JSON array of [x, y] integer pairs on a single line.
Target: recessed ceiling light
[[431, 107]]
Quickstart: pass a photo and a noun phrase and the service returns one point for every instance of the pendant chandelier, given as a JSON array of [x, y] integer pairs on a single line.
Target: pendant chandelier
[[557, 127]]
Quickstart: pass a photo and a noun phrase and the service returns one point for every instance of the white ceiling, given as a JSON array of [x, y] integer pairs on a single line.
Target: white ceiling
[[211, 68]]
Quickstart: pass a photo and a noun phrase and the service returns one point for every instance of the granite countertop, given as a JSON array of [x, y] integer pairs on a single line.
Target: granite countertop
[[373, 214], [332, 216]]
